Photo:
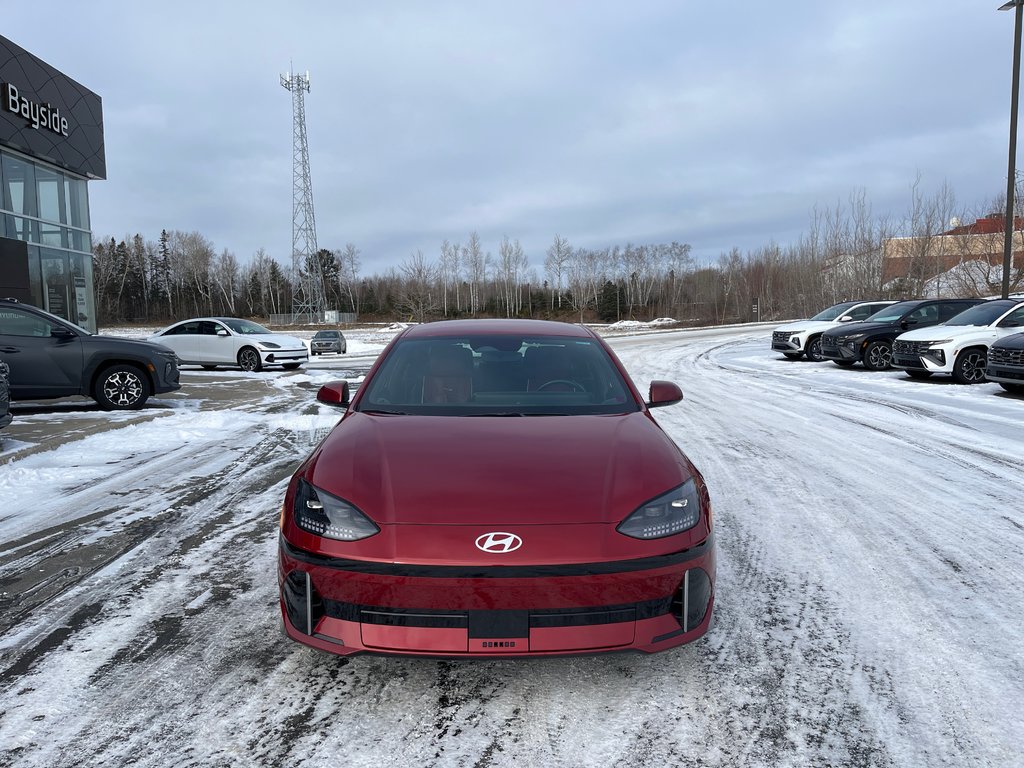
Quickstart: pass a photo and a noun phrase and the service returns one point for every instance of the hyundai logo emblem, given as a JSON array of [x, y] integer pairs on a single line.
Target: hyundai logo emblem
[[499, 542]]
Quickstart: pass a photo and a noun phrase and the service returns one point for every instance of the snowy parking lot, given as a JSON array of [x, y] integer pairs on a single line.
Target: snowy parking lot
[[870, 532]]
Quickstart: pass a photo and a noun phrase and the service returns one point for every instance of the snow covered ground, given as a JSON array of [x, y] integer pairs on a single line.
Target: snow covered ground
[[870, 586]]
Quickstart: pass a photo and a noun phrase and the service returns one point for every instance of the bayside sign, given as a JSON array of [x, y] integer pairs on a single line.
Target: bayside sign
[[39, 116]]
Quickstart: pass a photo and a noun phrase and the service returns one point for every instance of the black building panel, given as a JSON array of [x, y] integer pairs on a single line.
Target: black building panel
[[46, 114]]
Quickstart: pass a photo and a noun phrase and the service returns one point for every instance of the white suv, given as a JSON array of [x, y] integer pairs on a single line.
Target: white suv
[[804, 336], [960, 345]]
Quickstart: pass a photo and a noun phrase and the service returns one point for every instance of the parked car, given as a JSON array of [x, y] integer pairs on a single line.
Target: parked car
[[5, 395], [870, 341], [803, 337], [50, 357], [558, 519], [1005, 363], [960, 345], [328, 341], [214, 341]]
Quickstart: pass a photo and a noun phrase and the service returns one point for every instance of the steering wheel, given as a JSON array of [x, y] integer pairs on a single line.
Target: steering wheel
[[574, 385]]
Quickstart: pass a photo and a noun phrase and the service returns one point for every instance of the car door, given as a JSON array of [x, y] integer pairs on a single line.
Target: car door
[[183, 339], [219, 346], [45, 358], [1011, 323]]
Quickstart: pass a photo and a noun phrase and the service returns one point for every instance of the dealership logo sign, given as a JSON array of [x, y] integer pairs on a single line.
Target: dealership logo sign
[[40, 116], [499, 542]]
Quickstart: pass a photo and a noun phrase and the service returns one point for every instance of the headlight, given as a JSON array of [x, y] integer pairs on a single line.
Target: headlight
[[671, 513], [320, 513], [938, 343], [268, 345]]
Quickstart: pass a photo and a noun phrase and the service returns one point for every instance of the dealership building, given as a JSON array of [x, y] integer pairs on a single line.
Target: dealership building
[[51, 145]]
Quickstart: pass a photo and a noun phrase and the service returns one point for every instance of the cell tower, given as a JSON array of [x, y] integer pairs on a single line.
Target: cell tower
[[307, 273]]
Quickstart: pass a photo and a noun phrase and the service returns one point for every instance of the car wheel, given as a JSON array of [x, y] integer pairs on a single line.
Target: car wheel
[[969, 367], [121, 388], [290, 366], [878, 356], [814, 350], [1016, 389], [249, 359], [919, 374], [792, 355], [209, 367], [844, 363]]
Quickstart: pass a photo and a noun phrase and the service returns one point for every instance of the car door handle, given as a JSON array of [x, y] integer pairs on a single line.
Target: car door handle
[[10, 350]]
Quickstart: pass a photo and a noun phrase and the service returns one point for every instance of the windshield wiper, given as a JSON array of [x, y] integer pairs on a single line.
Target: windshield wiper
[[383, 412]]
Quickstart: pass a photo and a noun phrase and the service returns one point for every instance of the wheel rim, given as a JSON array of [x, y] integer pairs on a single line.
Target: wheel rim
[[972, 367], [122, 388], [249, 360], [814, 351], [880, 356]]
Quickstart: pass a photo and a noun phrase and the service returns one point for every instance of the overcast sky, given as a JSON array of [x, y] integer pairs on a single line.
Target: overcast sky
[[717, 124]]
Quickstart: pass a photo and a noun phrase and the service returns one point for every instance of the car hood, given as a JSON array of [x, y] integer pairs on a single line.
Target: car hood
[[850, 329], [809, 325], [1015, 341], [285, 342], [494, 470], [128, 346], [939, 332]]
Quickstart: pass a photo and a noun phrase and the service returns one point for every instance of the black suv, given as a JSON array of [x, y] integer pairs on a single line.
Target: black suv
[[1005, 363], [871, 341], [50, 357]]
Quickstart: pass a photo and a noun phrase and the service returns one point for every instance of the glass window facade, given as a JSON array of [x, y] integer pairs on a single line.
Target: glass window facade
[[48, 208]]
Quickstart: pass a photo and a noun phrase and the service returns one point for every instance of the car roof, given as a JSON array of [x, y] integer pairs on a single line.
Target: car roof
[[510, 327]]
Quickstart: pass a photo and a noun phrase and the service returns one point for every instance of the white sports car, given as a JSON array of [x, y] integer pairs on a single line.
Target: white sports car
[[213, 341]]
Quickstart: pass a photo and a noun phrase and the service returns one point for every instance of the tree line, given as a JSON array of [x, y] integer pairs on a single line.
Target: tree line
[[838, 257]]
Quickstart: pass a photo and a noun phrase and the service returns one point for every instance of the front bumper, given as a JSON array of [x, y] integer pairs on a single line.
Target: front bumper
[[280, 356], [1005, 364], [166, 377], [834, 350], [346, 606], [784, 342]]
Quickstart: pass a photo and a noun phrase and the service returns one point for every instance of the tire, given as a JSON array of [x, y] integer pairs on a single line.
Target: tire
[[844, 363], [878, 356], [249, 360], [919, 374], [969, 367], [813, 349], [792, 355], [290, 366], [209, 367], [1013, 389], [121, 388]]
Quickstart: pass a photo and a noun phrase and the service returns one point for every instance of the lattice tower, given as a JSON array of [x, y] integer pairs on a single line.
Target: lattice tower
[[307, 272]]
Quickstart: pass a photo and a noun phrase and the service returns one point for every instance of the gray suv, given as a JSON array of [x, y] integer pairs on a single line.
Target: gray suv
[[50, 357]]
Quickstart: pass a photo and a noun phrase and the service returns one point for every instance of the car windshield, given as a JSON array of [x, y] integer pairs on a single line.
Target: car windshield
[[244, 327], [892, 313], [985, 313], [836, 311], [326, 335], [497, 376]]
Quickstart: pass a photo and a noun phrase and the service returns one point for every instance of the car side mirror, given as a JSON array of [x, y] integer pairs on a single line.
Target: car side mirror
[[334, 393], [222, 332], [904, 324], [845, 318], [664, 393], [60, 332]]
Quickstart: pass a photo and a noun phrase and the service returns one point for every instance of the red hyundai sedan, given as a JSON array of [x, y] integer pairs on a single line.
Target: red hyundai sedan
[[496, 488]]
